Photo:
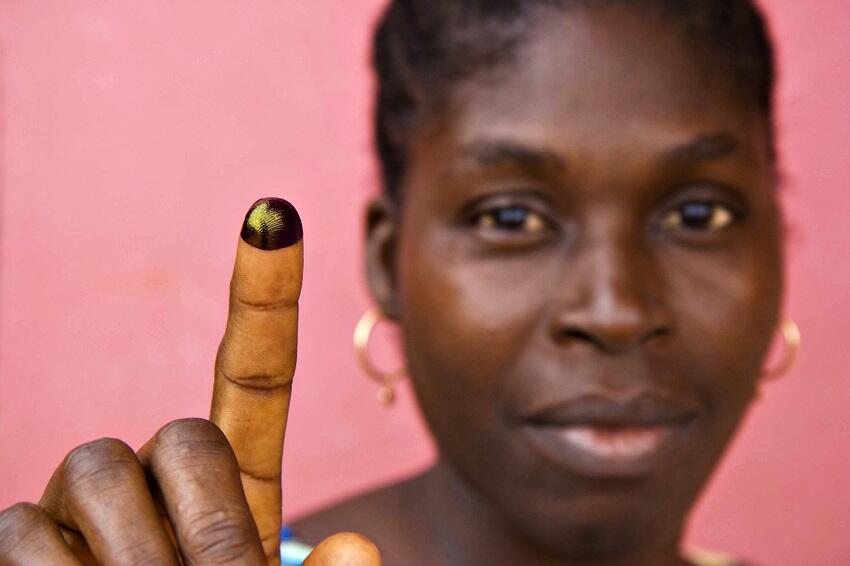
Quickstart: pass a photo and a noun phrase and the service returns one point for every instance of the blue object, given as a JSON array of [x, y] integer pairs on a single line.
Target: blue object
[[292, 551]]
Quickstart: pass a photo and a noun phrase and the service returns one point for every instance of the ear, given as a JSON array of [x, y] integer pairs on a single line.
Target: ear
[[382, 230]]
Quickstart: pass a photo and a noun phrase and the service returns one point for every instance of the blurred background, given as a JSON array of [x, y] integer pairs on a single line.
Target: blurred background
[[136, 134]]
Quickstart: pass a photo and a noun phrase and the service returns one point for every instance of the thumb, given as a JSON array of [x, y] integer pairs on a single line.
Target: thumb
[[345, 549]]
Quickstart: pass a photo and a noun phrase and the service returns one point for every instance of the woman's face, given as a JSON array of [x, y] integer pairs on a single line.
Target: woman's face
[[587, 271]]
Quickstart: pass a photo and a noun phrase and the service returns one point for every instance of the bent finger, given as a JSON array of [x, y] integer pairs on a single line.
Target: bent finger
[[100, 490], [256, 359], [29, 536], [197, 479], [345, 549]]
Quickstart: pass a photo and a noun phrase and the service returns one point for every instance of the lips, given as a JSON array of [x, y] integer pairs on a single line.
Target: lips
[[615, 443], [603, 436]]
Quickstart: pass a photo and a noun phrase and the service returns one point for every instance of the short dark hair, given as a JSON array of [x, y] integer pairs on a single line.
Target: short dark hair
[[422, 46]]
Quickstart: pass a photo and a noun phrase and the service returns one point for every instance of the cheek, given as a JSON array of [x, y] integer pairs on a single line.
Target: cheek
[[467, 319], [725, 312]]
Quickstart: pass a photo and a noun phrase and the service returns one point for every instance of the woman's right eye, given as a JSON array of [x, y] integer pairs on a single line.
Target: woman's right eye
[[518, 219]]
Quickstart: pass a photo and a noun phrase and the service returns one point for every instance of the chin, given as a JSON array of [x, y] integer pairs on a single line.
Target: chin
[[602, 523], [584, 511]]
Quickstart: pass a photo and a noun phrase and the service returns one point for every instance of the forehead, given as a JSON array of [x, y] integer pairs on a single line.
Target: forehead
[[612, 76]]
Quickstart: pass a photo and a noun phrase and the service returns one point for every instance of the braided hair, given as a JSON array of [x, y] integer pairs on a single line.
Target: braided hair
[[422, 47]]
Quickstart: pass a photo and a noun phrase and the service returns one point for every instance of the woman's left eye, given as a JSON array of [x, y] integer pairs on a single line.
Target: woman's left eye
[[704, 216], [512, 219]]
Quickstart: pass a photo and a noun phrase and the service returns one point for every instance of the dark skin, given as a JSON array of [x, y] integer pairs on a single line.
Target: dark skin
[[605, 129], [591, 226]]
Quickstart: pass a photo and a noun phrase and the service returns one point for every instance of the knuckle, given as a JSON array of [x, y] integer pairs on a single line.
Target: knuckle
[[95, 462], [190, 438], [221, 536], [21, 515], [189, 428], [18, 521]]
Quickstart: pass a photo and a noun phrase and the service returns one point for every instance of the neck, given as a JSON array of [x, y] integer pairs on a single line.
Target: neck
[[470, 530]]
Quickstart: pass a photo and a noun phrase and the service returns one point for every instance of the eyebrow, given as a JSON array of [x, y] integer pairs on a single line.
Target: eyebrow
[[703, 148], [495, 152]]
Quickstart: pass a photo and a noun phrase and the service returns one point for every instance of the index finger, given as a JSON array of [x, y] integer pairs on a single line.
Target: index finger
[[256, 359]]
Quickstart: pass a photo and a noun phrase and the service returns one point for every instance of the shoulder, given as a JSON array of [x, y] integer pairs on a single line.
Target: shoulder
[[381, 514]]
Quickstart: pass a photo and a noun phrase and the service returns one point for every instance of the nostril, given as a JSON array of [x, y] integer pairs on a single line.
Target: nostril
[[611, 341], [577, 334], [658, 333]]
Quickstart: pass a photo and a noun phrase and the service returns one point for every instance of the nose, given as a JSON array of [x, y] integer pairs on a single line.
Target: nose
[[612, 299]]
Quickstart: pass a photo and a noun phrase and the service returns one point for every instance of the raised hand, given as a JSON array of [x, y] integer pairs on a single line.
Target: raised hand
[[198, 492]]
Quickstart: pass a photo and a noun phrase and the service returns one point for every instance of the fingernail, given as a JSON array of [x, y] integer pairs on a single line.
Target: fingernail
[[271, 224]]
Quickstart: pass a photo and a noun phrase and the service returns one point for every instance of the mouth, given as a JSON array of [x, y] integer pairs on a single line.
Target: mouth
[[605, 438]]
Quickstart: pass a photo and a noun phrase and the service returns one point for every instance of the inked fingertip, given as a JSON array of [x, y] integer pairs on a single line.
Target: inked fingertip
[[272, 223]]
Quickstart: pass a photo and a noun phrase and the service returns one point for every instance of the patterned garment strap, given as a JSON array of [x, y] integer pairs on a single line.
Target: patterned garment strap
[[701, 557], [292, 551]]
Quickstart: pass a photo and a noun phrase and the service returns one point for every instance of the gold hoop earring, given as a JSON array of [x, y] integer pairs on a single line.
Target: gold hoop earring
[[791, 337], [362, 337]]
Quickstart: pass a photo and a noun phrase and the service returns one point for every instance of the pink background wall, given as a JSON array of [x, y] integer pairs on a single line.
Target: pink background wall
[[135, 134]]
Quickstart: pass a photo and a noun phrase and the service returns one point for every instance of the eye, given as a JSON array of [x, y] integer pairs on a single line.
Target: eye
[[699, 216], [511, 219]]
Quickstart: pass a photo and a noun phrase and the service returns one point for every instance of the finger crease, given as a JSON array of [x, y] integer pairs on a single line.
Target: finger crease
[[266, 306], [261, 384], [260, 477]]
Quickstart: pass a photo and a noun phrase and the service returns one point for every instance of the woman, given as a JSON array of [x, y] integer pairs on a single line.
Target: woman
[[580, 237]]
